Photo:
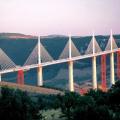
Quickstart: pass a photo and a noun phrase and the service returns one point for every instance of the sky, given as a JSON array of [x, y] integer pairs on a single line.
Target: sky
[[46, 17]]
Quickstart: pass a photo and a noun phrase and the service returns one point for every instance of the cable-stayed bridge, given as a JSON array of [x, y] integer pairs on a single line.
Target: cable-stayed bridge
[[40, 58]]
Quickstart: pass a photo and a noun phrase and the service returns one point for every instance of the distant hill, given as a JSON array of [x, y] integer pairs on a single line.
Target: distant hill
[[19, 35], [15, 35], [23, 36]]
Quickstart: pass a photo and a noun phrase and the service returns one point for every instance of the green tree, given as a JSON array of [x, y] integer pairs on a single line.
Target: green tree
[[76, 107], [15, 104], [67, 102], [100, 97]]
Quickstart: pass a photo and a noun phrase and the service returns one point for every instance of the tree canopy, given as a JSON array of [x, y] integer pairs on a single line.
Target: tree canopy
[[95, 105]]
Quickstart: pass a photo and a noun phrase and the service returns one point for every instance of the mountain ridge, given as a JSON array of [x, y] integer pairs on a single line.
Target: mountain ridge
[[20, 35], [16, 35]]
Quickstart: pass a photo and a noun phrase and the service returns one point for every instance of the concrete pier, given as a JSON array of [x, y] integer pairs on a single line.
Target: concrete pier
[[94, 72], [71, 82], [112, 70], [40, 77]]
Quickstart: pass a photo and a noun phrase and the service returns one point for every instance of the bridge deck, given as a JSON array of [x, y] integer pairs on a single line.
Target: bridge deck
[[32, 89]]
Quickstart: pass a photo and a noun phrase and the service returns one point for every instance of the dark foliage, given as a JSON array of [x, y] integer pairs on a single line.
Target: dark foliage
[[17, 105], [95, 105], [47, 102]]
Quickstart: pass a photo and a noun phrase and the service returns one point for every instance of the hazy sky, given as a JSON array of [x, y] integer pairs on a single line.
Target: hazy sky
[[43, 17]]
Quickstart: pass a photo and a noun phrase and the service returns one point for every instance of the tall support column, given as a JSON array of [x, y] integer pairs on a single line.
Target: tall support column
[[103, 72], [0, 78], [112, 71], [20, 77], [39, 51], [94, 72], [71, 82], [40, 77], [118, 64]]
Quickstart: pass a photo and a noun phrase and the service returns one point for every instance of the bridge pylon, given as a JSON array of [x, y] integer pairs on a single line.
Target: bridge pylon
[[71, 81], [94, 71], [70, 63], [112, 71], [20, 77], [118, 64], [40, 76], [103, 72]]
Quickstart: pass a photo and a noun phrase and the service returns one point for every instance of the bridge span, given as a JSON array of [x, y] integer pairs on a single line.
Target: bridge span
[[40, 58]]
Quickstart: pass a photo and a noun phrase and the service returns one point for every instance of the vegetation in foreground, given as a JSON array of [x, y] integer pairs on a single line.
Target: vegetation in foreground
[[95, 105]]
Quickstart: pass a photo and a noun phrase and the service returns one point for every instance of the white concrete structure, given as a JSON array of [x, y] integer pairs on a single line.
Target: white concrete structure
[[70, 64], [94, 75], [71, 81], [112, 70], [40, 75]]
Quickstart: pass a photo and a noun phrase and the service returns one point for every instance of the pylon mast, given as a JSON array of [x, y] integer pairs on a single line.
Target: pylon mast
[[39, 51], [40, 76], [71, 81], [112, 71], [94, 71]]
